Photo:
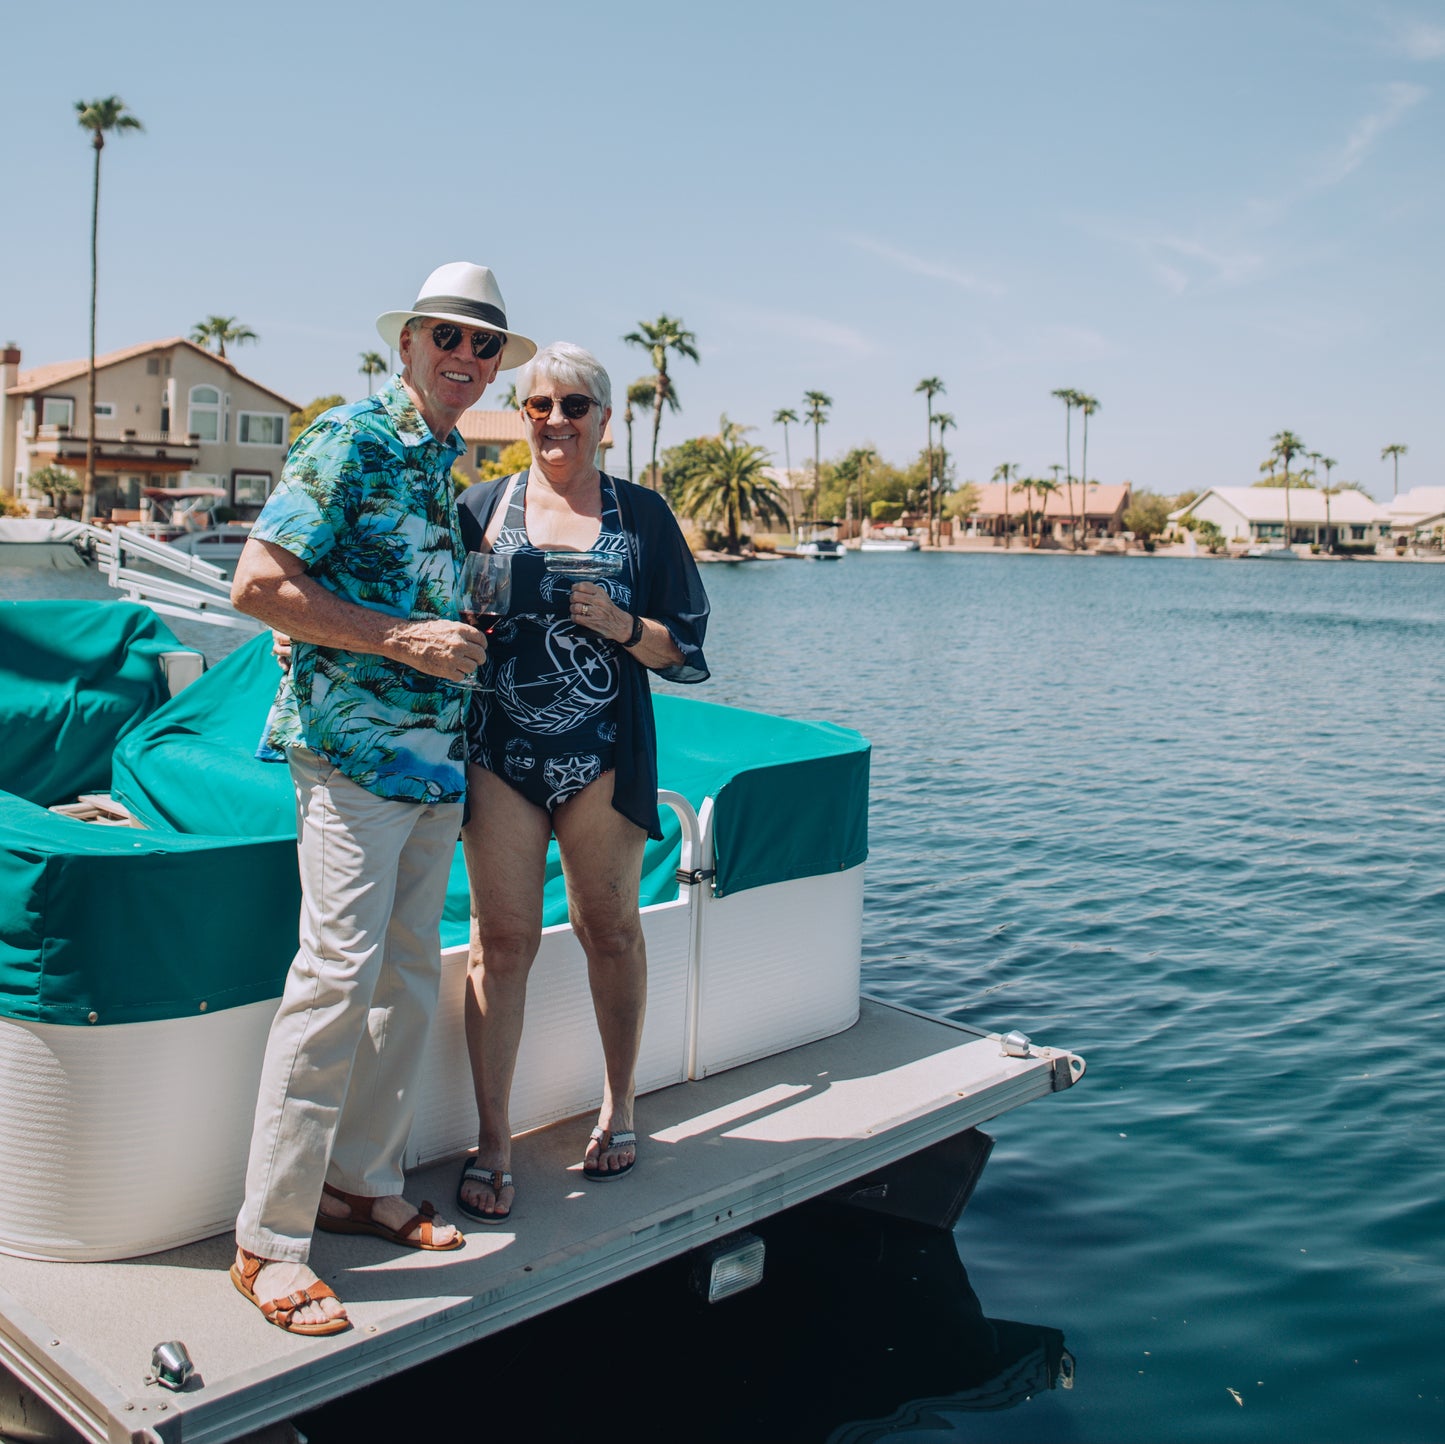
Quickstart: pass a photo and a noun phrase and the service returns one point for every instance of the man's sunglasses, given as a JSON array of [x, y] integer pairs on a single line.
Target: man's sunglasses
[[485, 344], [574, 407]]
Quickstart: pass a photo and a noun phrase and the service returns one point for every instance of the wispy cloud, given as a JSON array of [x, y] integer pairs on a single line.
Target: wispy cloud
[[1420, 40], [920, 266], [1234, 250], [1400, 96], [797, 327]]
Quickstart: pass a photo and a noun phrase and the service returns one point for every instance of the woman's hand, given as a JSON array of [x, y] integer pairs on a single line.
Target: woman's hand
[[593, 609]]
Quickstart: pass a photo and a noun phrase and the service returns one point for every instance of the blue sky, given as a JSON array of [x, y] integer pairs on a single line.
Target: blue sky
[[1221, 219]]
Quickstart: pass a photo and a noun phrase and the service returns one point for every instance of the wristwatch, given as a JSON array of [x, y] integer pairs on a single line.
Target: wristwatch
[[636, 636]]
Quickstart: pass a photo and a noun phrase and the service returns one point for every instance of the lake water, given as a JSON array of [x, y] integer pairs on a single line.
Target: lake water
[[1186, 818]]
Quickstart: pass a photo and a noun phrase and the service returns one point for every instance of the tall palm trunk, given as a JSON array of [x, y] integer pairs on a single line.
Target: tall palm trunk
[[792, 501], [87, 501], [1084, 474], [627, 421], [817, 468], [928, 397], [657, 424], [1069, 472]]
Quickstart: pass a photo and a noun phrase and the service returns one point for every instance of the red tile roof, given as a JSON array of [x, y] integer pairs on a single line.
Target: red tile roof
[[42, 378]]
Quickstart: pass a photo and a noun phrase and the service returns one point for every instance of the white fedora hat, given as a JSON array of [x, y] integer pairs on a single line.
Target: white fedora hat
[[468, 295]]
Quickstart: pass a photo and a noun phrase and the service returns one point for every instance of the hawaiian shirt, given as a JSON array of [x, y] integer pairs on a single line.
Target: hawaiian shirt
[[366, 501]]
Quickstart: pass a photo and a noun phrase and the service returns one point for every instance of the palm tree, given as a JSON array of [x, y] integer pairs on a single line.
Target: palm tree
[[640, 393], [1088, 405], [373, 364], [1002, 473], [815, 408], [944, 422], [511, 401], [1396, 451], [1070, 397], [930, 386], [732, 486], [1024, 487], [1285, 446], [658, 337], [785, 417], [1045, 489], [1329, 464], [221, 329], [98, 117]]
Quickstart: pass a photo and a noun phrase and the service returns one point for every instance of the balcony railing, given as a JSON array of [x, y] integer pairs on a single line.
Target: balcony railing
[[117, 445], [109, 435]]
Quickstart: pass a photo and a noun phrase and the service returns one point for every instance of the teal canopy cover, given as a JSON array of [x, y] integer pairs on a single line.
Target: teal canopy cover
[[75, 677], [202, 907]]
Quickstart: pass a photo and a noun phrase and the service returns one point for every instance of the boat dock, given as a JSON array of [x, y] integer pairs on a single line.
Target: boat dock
[[716, 1155]]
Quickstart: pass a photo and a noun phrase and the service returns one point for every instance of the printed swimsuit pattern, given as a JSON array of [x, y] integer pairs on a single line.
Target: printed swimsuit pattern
[[548, 726]]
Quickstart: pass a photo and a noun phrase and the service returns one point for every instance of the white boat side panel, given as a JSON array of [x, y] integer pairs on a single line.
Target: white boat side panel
[[559, 1066], [117, 1141], [779, 967]]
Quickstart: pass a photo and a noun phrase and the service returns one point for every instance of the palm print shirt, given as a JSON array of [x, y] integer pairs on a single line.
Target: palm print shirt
[[365, 501]]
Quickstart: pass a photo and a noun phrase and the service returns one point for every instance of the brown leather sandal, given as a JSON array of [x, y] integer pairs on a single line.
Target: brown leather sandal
[[358, 1219], [282, 1311]]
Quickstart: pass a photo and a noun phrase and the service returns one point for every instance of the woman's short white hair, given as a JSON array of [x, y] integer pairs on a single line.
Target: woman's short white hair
[[568, 365]]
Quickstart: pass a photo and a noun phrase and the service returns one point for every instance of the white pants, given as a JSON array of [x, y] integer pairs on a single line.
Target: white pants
[[338, 1084]]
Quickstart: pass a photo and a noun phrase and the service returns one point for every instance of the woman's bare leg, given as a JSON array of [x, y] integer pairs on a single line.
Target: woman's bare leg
[[602, 862], [505, 841]]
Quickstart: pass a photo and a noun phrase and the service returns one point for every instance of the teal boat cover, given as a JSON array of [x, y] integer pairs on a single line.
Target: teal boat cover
[[201, 907], [75, 677]]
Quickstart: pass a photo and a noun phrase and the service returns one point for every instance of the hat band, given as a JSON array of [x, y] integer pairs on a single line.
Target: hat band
[[461, 306]]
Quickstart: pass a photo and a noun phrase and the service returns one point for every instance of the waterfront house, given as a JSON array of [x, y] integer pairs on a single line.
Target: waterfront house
[[1098, 507], [1418, 513], [489, 433], [1256, 514], [167, 414]]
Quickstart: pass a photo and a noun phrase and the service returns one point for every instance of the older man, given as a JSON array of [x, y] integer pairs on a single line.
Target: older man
[[356, 557]]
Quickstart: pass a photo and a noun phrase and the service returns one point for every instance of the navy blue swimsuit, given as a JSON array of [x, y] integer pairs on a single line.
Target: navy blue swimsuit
[[549, 726]]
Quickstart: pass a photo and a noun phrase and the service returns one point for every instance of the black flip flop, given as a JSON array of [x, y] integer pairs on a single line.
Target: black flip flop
[[495, 1179]]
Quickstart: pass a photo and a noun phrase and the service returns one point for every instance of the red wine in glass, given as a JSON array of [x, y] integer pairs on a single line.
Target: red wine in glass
[[486, 591]]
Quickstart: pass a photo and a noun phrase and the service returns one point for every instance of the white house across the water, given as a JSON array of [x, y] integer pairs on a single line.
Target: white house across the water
[[1257, 514]]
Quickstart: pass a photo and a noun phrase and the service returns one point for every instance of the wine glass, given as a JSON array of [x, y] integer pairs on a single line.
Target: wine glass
[[482, 602], [596, 567]]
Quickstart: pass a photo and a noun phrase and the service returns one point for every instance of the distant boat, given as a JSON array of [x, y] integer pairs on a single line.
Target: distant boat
[[1276, 552], [221, 545], [888, 544], [819, 551]]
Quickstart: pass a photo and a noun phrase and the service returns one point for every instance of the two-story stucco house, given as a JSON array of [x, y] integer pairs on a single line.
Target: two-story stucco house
[[168, 414]]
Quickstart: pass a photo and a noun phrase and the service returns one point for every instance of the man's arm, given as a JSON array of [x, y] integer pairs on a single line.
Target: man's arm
[[271, 584]]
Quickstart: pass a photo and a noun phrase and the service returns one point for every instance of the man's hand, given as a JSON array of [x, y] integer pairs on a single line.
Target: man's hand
[[451, 650]]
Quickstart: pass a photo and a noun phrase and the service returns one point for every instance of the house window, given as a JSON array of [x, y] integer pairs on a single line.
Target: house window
[[486, 454], [261, 428], [205, 417], [105, 408], [57, 411], [251, 487]]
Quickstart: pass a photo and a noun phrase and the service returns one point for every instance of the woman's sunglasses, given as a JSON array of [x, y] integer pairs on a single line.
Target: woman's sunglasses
[[574, 407], [485, 344]]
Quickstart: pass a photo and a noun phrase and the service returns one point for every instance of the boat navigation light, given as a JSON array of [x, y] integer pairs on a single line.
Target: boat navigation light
[[171, 1365], [728, 1266]]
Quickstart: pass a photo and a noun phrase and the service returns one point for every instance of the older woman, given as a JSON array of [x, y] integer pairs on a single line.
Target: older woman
[[564, 745]]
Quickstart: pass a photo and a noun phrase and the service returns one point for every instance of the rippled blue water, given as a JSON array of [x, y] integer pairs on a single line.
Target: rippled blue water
[[1186, 818]]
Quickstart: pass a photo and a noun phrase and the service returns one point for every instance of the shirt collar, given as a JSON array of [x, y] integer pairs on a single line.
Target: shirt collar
[[408, 423]]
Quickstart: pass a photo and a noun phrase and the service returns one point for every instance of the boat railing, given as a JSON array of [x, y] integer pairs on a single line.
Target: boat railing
[[173, 583]]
